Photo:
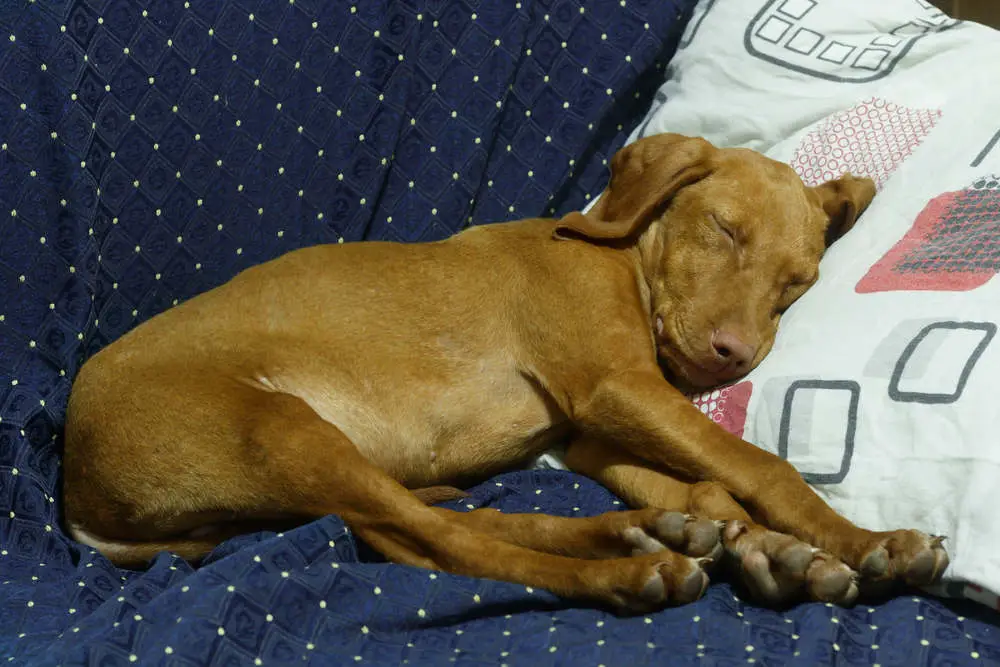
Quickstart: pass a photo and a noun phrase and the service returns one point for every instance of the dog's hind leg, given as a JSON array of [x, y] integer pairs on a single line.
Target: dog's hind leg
[[608, 535], [305, 466]]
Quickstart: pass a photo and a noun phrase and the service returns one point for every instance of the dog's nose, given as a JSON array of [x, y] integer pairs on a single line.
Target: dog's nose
[[732, 352]]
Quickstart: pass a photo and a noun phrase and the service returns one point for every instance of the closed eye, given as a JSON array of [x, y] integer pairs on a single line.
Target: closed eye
[[723, 229]]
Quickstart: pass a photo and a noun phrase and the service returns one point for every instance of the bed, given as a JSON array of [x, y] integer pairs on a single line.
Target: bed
[[151, 150]]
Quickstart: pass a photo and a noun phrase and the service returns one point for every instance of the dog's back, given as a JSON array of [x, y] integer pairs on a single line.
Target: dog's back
[[420, 354]]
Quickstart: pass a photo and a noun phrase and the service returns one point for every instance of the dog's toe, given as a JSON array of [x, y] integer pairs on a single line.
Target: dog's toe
[[653, 581], [687, 534], [641, 542], [704, 538], [692, 586], [670, 525], [779, 568], [928, 565], [654, 591], [831, 580], [876, 564], [905, 556]]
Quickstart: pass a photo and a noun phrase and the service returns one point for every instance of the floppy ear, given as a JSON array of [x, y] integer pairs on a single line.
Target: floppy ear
[[644, 177], [844, 200]]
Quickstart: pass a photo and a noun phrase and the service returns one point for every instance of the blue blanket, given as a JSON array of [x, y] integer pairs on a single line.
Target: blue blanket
[[150, 150]]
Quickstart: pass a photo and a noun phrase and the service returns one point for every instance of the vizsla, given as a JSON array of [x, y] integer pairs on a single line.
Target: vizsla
[[337, 379]]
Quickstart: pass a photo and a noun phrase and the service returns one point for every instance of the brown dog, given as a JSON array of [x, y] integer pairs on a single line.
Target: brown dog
[[333, 379]]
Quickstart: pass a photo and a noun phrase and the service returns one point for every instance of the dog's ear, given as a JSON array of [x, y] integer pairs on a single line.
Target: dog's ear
[[645, 175], [844, 200]]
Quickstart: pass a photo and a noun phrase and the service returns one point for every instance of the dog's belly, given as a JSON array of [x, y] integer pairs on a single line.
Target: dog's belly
[[475, 450], [475, 425]]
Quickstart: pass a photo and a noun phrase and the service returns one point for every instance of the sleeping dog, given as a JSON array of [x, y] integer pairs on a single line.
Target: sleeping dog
[[342, 378]]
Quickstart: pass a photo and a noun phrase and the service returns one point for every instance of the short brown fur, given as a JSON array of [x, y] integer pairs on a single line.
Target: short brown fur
[[335, 378]]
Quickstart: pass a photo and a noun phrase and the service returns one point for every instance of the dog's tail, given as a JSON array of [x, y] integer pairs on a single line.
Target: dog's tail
[[199, 543], [136, 555], [432, 495]]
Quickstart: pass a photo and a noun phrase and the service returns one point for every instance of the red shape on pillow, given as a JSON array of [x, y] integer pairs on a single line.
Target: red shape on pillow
[[727, 406], [871, 139], [953, 245]]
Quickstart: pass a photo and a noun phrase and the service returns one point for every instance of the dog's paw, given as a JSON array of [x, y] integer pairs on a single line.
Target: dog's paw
[[641, 584], [902, 556], [778, 568], [658, 530]]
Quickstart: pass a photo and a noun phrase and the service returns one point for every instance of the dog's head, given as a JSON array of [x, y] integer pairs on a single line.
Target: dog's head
[[727, 239]]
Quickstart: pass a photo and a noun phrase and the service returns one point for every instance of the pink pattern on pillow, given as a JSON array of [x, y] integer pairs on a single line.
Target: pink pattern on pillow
[[871, 139], [727, 406], [953, 245]]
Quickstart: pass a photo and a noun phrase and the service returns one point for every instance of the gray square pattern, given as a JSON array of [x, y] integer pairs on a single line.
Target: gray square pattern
[[805, 41], [927, 350], [836, 52], [792, 34], [796, 8], [830, 454], [930, 367]]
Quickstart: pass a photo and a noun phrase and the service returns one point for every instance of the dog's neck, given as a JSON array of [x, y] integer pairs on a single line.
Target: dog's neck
[[644, 255]]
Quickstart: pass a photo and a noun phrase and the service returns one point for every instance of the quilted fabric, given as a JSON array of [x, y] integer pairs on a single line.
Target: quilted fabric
[[150, 150]]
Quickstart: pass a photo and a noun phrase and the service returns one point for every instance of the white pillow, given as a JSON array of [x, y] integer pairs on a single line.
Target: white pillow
[[881, 388]]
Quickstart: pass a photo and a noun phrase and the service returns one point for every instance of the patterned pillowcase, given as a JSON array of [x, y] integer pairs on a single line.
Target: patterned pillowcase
[[880, 386]]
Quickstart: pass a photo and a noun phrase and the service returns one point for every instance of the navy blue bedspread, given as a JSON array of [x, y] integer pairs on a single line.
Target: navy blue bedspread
[[152, 149]]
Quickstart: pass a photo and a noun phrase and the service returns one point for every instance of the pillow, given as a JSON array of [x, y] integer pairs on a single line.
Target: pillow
[[880, 386]]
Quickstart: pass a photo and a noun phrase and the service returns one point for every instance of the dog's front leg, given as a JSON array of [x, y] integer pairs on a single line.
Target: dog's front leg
[[775, 567], [641, 412]]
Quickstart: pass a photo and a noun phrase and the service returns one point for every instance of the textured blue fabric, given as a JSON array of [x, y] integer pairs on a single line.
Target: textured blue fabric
[[150, 150]]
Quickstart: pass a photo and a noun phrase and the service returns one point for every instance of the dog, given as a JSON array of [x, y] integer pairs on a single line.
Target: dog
[[369, 380]]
